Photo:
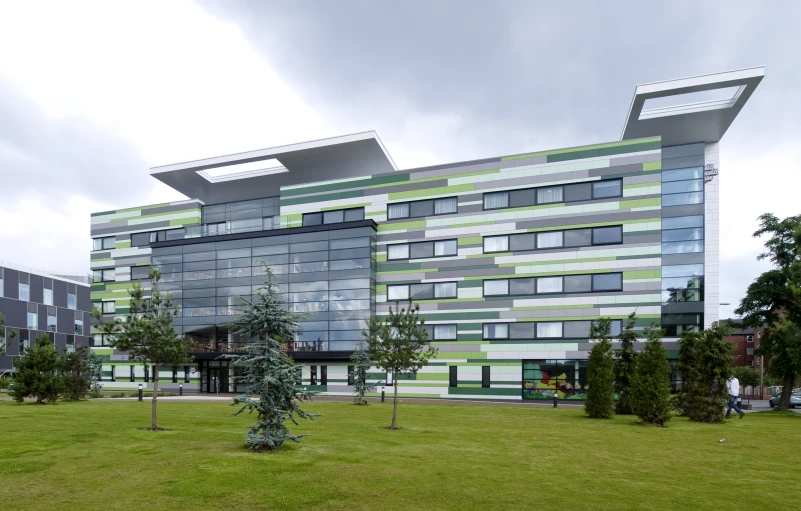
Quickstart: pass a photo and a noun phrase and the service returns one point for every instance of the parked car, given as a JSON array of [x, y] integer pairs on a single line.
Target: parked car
[[795, 399]]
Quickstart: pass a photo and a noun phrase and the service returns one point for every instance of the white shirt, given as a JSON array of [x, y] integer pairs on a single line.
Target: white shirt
[[734, 386]]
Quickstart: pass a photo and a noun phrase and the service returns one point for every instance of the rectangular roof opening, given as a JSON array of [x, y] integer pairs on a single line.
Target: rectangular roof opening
[[689, 98]]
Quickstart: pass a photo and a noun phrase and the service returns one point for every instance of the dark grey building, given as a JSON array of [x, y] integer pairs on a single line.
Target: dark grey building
[[36, 303]]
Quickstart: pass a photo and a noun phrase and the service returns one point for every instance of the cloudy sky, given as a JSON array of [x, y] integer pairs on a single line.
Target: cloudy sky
[[92, 94]]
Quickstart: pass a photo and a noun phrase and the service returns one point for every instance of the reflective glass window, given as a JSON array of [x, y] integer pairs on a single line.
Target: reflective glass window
[[578, 238], [682, 247], [607, 188], [682, 174], [607, 235], [680, 199], [681, 222], [522, 330], [607, 282], [683, 234], [519, 242], [522, 286]]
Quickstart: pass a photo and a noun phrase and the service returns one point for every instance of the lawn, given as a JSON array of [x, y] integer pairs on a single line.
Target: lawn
[[90, 455]]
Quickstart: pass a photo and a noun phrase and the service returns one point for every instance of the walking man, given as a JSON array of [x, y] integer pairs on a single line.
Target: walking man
[[733, 385]]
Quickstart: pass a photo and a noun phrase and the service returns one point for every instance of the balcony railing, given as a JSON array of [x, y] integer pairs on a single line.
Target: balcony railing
[[242, 347]]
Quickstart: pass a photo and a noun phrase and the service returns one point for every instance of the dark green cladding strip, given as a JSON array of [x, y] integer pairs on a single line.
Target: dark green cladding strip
[[469, 283], [398, 267], [370, 181], [604, 151], [325, 197]]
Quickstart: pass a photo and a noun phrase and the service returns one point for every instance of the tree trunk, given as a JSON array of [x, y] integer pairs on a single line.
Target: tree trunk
[[787, 390], [394, 404], [154, 424]]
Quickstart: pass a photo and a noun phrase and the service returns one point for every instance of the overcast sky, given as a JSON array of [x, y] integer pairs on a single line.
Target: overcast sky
[[93, 94]]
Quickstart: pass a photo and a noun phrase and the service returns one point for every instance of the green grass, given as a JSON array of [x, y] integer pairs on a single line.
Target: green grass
[[91, 455]]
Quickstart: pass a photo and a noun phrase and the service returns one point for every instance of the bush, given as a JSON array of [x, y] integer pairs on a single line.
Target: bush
[[600, 401], [650, 386], [704, 359]]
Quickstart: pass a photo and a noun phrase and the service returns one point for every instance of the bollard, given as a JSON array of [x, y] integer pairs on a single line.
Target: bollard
[[382, 394], [140, 392], [180, 389], [555, 399]]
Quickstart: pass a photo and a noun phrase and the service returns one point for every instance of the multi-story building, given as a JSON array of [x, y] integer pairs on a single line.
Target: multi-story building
[[511, 258], [35, 303], [746, 340]]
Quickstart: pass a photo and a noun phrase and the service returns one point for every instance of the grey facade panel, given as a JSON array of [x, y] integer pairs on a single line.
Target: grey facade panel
[[671, 259], [116, 227], [681, 151], [66, 321], [59, 293], [683, 307], [36, 288], [680, 163], [11, 283], [688, 210]]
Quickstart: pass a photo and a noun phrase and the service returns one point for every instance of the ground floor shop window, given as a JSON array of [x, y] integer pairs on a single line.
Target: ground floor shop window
[[542, 379]]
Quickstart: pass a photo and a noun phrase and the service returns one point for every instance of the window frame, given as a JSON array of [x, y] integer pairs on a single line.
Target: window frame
[[113, 307], [536, 190], [433, 291], [620, 180], [321, 214], [563, 246], [433, 245], [433, 206], [434, 332], [563, 292]]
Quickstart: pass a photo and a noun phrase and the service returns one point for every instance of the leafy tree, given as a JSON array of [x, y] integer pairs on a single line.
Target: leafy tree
[[625, 363], [748, 376], [704, 359], [650, 386], [3, 341], [781, 344], [773, 300], [600, 403], [147, 333], [269, 372], [77, 369], [37, 372], [361, 365], [397, 344]]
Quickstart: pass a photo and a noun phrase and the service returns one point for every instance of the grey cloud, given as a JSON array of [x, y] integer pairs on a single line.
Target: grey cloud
[[532, 71], [56, 157]]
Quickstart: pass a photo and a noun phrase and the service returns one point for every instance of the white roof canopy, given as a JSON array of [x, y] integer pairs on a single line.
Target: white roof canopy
[[699, 121], [360, 154]]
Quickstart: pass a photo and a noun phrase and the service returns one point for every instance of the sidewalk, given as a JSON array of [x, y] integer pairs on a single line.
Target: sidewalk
[[347, 399]]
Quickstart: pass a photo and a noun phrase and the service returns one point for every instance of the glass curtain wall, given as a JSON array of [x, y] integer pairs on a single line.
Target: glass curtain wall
[[242, 216], [327, 277]]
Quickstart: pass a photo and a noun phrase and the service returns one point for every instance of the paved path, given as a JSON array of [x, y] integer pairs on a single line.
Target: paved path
[[346, 399]]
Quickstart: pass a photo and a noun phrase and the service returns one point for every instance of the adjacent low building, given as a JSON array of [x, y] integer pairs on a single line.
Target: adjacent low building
[[511, 258], [36, 303]]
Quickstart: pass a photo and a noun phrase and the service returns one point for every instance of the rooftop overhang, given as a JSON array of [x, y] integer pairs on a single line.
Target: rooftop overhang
[[703, 121], [360, 154]]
